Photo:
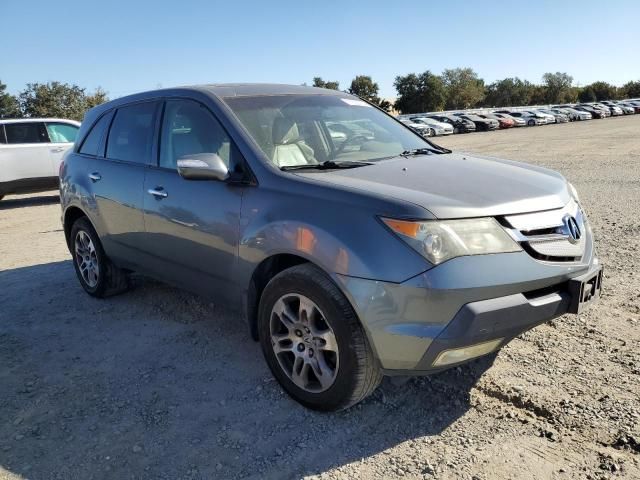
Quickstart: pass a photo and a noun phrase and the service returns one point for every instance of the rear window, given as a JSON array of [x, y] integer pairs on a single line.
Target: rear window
[[94, 141], [131, 134], [27, 132]]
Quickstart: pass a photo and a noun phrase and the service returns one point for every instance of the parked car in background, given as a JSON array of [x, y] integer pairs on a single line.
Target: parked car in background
[[436, 128], [615, 110], [460, 125], [419, 128], [574, 115], [626, 109], [630, 104], [484, 124], [31, 150], [545, 117], [595, 112], [557, 116], [503, 122], [397, 257], [517, 122], [605, 110], [529, 118]]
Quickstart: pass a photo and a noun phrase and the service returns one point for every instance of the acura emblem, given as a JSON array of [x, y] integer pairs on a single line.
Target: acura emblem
[[572, 228]]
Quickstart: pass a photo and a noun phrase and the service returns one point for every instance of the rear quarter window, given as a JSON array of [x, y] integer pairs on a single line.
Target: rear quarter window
[[93, 143]]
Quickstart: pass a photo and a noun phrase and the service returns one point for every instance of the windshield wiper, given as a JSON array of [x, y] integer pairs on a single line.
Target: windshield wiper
[[423, 151], [327, 165]]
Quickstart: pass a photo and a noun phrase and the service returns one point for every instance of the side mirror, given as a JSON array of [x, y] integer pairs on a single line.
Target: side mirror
[[202, 166]]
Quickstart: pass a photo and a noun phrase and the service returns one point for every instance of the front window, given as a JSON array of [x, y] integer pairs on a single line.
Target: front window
[[311, 129]]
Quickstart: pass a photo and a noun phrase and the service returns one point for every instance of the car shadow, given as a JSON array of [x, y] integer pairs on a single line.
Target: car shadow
[[157, 382], [28, 201]]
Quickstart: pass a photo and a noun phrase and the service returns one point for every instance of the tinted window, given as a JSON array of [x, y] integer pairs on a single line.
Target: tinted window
[[189, 128], [93, 143], [131, 133], [62, 132], [2, 137], [28, 132]]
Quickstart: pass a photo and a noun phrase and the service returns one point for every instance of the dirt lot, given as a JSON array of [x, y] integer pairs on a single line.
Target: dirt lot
[[158, 383]]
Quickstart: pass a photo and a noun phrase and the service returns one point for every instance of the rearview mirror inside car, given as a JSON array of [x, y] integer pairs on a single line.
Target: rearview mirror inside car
[[203, 166]]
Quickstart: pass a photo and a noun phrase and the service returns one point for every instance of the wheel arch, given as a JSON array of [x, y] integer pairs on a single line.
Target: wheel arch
[[264, 272], [71, 214]]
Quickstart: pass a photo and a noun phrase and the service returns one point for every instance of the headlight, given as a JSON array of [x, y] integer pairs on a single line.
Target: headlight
[[574, 193], [441, 240]]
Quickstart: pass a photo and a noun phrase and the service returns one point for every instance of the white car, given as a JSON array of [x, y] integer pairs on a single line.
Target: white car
[[31, 150], [435, 127]]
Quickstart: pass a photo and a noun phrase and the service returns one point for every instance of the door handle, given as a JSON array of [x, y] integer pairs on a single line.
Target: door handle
[[95, 176], [158, 192], [57, 150]]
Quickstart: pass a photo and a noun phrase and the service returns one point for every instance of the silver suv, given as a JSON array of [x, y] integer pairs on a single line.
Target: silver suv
[[350, 256]]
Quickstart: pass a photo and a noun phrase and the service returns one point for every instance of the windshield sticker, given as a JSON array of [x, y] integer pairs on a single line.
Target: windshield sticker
[[355, 103]]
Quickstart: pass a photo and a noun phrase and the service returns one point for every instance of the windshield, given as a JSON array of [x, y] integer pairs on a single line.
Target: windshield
[[296, 130]]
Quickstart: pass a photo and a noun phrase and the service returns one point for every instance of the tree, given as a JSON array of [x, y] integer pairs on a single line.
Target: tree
[[318, 82], [57, 99], [508, 92], [419, 93], [558, 87], [630, 90], [364, 87], [9, 107], [98, 98], [604, 91], [464, 88], [587, 95]]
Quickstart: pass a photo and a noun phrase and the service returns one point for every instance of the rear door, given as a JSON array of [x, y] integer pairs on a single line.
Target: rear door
[[116, 179], [26, 154], [61, 135], [192, 225]]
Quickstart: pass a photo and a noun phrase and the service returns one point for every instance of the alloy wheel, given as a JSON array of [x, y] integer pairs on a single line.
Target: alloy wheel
[[86, 258], [304, 343]]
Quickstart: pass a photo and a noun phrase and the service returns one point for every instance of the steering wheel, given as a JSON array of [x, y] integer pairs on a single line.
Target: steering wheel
[[350, 140]]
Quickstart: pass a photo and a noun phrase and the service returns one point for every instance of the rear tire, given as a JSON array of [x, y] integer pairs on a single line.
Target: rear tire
[[303, 314], [97, 274]]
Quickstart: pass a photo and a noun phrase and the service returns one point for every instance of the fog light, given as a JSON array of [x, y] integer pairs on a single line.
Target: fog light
[[456, 355]]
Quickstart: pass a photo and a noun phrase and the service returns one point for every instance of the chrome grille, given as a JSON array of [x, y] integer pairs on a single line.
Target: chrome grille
[[554, 235]]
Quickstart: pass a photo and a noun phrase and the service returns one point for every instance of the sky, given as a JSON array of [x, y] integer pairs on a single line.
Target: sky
[[135, 45]]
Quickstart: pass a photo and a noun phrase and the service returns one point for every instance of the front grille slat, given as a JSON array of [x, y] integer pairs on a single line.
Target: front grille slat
[[544, 235]]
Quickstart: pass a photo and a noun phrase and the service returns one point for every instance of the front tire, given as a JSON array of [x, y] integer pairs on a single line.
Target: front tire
[[313, 341], [432, 132], [97, 274]]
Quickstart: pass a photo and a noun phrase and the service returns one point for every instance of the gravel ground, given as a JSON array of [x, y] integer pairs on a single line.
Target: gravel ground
[[158, 383]]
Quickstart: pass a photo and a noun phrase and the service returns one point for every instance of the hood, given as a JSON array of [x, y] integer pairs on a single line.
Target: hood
[[456, 185]]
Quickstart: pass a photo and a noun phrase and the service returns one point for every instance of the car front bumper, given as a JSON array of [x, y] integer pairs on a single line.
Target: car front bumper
[[464, 302]]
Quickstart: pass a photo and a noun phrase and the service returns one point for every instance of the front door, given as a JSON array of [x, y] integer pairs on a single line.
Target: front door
[[192, 226]]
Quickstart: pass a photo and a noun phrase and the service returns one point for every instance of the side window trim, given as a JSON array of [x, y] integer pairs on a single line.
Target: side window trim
[[3, 135]]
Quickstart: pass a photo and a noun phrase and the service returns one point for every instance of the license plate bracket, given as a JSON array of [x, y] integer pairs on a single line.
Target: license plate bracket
[[585, 290]]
